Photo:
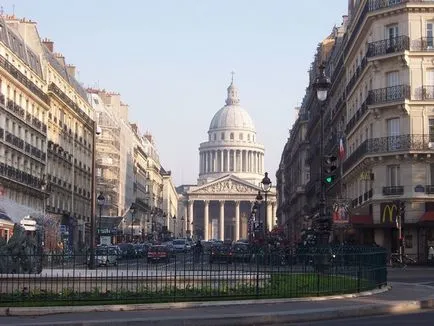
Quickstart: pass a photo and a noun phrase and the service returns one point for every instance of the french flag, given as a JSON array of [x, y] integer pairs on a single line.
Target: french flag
[[341, 149]]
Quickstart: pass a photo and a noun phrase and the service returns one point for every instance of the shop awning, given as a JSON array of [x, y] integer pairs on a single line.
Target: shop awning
[[427, 217], [362, 219]]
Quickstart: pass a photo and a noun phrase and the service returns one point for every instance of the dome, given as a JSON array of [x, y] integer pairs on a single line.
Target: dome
[[232, 116]]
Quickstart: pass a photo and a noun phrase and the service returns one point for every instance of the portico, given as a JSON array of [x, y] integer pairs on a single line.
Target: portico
[[220, 209]]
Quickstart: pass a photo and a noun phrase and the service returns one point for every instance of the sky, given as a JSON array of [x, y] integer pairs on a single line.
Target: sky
[[171, 61]]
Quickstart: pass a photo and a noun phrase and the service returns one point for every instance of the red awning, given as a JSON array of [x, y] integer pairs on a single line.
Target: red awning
[[427, 217], [362, 219]]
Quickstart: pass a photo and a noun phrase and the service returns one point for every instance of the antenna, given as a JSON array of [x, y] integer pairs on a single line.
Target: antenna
[[232, 73], [13, 10]]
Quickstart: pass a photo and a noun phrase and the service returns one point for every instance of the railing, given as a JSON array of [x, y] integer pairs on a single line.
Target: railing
[[429, 189], [22, 114], [393, 190], [137, 276], [387, 46], [423, 44], [56, 90], [385, 145], [15, 174], [389, 94], [356, 75], [356, 117], [425, 92], [18, 75]]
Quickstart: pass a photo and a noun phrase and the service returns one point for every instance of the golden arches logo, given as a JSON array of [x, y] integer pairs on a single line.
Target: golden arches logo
[[388, 211]]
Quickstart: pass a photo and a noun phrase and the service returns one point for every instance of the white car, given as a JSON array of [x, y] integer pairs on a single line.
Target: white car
[[181, 245]]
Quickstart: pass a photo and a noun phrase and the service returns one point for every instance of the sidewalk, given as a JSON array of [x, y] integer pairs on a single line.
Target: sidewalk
[[402, 297]]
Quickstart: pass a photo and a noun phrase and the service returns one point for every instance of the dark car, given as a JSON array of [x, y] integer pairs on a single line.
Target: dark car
[[127, 250], [221, 253], [158, 253], [241, 252]]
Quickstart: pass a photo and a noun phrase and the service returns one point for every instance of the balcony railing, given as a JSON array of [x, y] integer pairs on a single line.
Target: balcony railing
[[389, 94], [425, 92], [387, 46], [356, 75], [22, 114], [429, 189], [356, 117], [393, 190], [17, 175], [384, 145]]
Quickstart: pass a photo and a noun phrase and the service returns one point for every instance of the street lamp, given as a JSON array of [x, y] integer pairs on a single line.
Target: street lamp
[[133, 211], [266, 187], [322, 85], [182, 224], [100, 200], [174, 226]]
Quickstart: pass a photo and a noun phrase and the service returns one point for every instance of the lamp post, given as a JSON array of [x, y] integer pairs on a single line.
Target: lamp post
[[174, 226], [182, 224], [100, 200], [266, 187], [321, 85], [133, 212], [257, 209]]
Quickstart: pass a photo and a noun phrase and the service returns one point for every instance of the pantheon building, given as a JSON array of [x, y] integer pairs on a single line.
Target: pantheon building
[[231, 168]]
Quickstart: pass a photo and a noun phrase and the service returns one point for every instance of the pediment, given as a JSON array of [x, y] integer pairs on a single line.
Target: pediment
[[227, 185]]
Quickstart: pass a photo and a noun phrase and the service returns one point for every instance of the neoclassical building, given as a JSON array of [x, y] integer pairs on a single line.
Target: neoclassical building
[[231, 167]]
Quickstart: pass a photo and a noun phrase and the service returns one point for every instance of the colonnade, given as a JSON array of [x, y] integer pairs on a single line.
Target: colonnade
[[232, 160], [222, 217]]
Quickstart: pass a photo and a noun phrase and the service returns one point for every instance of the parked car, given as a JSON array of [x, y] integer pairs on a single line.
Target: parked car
[[158, 253], [241, 252], [141, 250], [221, 253], [105, 256], [127, 250], [181, 245]]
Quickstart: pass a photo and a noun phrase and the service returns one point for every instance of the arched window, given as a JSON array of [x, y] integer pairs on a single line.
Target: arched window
[[223, 136], [241, 136], [232, 136], [215, 136]]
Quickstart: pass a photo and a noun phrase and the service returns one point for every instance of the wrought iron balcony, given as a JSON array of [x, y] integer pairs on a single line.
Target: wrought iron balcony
[[17, 175], [356, 75], [385, 145], [388, 46], [356, 117], [388, 94], [18, 75], [429, 189], [393, 190], [425, 92]]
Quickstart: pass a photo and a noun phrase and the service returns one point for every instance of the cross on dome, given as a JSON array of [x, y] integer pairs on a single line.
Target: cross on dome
[[232, 98]]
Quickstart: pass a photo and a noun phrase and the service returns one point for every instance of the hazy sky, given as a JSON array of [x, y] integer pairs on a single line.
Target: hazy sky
[[171, 62]]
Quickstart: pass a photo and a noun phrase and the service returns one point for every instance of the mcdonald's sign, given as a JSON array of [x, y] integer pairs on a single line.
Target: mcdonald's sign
[[388, 213]]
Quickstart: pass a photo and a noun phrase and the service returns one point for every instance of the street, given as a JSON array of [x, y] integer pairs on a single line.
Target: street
[[419, 318], [417, 274]]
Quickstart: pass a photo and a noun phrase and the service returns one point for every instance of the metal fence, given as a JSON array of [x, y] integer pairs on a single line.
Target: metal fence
[[261, 273]]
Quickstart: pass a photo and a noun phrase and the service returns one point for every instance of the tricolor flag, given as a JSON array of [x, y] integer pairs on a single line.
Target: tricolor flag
[[341, 149]]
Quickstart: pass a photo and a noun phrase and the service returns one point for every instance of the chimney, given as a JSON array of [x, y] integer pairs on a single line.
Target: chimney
[[48, 44], [71, 70], [344, 20]]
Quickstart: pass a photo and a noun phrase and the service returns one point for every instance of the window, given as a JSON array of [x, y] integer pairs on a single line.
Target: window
[[391, 35], [393, 133], [429, 35], [431, 168], [393, 179], [232, 136], [431, 129], [223, 136], [241, 136]]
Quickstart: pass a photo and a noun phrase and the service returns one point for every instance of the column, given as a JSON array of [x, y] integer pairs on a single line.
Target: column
[[221, 161], [273, 212], [185, 226], [222, 220], [269, 216], [235, 161], [206, 221], [227, 160], [241, 160], [190, 215], [263, 168], [237, 220]]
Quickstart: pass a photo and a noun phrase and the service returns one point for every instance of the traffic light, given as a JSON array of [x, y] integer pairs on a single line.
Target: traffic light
[[330, 166]]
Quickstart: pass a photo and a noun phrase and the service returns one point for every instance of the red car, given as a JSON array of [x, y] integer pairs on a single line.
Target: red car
[[158, 253]]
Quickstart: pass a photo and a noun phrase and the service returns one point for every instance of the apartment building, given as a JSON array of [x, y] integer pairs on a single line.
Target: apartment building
[[381, 105], [24, 106]]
